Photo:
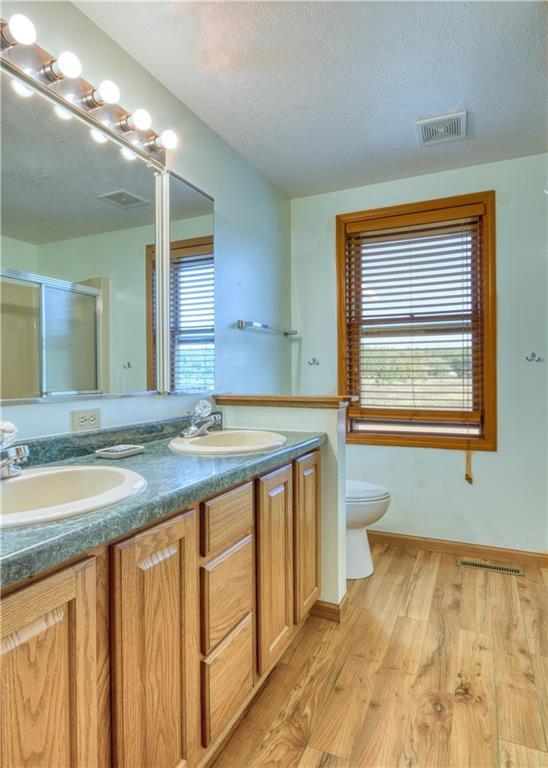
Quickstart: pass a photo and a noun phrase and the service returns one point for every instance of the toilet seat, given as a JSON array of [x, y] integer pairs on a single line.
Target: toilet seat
[[359, 491]]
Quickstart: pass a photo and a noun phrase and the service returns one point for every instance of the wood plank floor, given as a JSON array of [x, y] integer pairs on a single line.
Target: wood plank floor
[[433, 666]]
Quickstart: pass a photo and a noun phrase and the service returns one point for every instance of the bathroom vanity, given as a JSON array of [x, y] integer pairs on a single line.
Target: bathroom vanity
[[137, 635]]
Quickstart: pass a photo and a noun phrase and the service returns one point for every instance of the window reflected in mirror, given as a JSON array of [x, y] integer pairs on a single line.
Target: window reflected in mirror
[[192, 293]]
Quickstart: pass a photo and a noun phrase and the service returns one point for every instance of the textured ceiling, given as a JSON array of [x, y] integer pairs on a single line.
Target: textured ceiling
[[52, 172], [323, 95]]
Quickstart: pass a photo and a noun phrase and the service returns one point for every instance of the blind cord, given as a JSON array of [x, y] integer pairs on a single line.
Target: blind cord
[[468, 476]]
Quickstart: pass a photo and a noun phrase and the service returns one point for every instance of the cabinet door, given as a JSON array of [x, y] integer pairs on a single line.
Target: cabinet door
[[274, 565], [49, 672], [156, 664], [307, 533]]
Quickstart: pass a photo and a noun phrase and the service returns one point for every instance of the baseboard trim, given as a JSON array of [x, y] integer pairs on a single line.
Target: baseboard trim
[[458, 548], [329, 611]]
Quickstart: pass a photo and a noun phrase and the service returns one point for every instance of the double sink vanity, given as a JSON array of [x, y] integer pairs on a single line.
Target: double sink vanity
[[136, 635]]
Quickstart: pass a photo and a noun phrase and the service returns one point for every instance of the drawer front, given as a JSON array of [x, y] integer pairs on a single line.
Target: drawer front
[[226, 592], [227, 678], [226, 519]]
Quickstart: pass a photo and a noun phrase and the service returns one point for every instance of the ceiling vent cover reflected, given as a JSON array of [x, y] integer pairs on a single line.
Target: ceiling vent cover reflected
[[434, 130], [121, 198]]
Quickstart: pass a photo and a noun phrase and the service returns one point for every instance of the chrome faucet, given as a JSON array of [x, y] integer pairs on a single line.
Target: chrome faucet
[[199, 427], [15, 455]]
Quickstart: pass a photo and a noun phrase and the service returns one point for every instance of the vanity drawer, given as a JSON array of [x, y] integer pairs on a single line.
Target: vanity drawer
[[226, 519], [226, 592], [227, 678]]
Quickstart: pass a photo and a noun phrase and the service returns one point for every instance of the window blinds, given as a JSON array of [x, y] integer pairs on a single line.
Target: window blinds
[[192, 323], [414, 324]]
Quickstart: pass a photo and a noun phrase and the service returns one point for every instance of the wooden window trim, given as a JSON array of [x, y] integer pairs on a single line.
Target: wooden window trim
[[412, 213], [195, 246]]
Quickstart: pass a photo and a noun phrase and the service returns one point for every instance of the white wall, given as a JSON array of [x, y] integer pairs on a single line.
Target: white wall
[[17, 254], [506, 506], [251, 216]]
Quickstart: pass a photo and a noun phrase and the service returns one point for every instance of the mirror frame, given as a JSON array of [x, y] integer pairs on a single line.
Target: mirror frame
[[162, 245]]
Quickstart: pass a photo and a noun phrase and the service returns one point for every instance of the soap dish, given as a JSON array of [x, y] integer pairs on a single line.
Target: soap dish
[[119, 451]]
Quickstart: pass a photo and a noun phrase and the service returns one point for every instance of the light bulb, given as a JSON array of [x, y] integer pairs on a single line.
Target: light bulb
[[98, 136], [20, 30], [108, 92], [62, 114], [168, 139], [20, 89], [546, 188], [68, 65], [141, 119], [127, 153]]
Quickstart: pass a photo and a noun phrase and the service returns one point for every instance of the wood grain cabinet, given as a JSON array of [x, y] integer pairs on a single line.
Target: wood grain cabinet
[[306, 522], [274, 565], [48, 672], [226, 585], [227, 679], [145, 653], [155, 633]]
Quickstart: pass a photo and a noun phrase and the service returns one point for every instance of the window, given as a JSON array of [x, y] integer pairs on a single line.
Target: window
[[416, 287], [192, 315]]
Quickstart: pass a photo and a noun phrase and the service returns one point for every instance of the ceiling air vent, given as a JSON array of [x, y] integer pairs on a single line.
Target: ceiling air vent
[[434, 130], [121, 198]]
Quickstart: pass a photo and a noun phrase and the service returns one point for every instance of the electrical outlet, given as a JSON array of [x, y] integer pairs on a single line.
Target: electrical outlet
[[82, 420]]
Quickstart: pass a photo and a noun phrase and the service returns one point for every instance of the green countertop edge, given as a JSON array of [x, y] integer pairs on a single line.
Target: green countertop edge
[[174, 482]]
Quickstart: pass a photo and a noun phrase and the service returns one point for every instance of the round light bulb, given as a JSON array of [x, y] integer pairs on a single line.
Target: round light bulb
[[69, 65], [98, 136], [62, 114], [168, 139], [22, 29], [127, 154], [141, 119], [108, 92], [20, 89]]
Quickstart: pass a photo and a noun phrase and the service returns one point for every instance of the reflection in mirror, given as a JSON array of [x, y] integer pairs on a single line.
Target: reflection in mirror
[[192, 284], [76, 220]]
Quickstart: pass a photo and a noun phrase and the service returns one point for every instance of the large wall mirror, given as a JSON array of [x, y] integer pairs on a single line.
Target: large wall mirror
[[78, 297]]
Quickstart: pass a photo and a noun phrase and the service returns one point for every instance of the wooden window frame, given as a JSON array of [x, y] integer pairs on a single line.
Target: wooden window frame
[[195, 246], [432, 210]]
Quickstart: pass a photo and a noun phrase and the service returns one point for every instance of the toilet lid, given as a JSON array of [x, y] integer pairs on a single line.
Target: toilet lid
[[358, 490]]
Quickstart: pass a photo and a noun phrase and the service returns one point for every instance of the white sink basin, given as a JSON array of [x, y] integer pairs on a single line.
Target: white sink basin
[[45, 494], [228, 441]]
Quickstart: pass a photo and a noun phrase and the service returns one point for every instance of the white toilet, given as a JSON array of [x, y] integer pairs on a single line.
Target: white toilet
[[365, 504]]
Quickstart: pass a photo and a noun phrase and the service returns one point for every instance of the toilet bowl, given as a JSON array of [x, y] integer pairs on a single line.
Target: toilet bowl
[[365, 504]]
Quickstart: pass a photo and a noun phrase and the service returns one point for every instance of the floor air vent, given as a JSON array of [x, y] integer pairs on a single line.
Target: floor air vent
[[513, 570]]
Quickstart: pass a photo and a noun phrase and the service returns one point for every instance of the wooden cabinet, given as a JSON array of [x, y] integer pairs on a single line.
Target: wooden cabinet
[[226, 519], [227, 679], [227, 585], [48, 672], [144, 654], [274, 565], [155, 632], [306, 521]]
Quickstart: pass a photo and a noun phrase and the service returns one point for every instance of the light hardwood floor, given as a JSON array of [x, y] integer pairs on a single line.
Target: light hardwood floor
[[433, 666]]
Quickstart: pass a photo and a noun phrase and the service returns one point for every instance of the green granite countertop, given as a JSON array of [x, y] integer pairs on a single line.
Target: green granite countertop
[[174, 482]]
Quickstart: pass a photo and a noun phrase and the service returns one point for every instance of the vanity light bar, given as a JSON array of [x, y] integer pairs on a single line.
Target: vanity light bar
[[20, 31]]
